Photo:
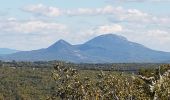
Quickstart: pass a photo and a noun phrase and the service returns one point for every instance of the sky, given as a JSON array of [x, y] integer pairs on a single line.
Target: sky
[[35, 24]]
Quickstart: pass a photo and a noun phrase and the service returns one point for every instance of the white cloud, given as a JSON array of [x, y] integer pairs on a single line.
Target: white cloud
[[107, 10], [30, 34], [157, 39], [27, 35], [12, 25], [41, 9], [49, 11], [135, 27], [154, 38], [79, 11], [108, 29], [116, 13], [11, 19], [162, 37], [83, 36]]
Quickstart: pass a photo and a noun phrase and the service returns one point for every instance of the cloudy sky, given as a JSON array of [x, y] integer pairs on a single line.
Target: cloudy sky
[[34, 24]]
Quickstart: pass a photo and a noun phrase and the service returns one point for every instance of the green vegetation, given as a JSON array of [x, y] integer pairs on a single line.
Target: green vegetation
[[40, 81], [107, 85], [25, 83]]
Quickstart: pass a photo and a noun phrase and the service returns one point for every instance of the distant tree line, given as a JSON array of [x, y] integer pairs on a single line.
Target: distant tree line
[[122, 67]]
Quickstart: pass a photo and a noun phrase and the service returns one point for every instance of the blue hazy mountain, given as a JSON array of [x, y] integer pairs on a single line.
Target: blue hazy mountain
[[7, 51], [101, 49], [114, 48], [61, 50]]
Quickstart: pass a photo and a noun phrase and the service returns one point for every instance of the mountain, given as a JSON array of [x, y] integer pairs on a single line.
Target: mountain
[[114, 48], [61, 50], [102, 49], [7, 51]]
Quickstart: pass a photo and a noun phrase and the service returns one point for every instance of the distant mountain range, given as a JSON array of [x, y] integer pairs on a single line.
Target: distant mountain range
[[7, 51], [107, 48]]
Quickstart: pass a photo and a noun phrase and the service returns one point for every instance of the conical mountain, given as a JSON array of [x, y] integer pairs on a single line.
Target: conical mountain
[[59, 44], [115, 48], [104, 48], [108, 41]]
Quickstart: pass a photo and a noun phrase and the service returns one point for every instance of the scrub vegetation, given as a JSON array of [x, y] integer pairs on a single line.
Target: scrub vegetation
[[61, 81]]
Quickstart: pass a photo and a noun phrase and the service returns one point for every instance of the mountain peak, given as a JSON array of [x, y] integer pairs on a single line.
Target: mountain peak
[[59, 44], [112, 36], [107, 40], [61, 41]]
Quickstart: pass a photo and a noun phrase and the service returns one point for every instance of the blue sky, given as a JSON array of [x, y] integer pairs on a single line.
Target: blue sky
[[35, 24]]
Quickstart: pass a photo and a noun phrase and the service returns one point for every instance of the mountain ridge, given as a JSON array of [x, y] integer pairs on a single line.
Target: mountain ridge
[[7, 51], [108, 48]]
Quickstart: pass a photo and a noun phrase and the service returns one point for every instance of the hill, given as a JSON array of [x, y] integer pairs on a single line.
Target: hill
[[108, 48]]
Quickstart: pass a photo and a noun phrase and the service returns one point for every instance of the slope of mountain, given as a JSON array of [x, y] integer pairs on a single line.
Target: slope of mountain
[[118, 49], [7, 51], [102, 49], [61, 50]]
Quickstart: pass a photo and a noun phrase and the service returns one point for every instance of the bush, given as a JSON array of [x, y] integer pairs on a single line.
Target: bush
[[148, 85]]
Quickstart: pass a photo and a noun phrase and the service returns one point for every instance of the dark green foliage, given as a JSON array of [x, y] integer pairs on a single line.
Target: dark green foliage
[[25, 83], [40, 81], [108, 85]]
